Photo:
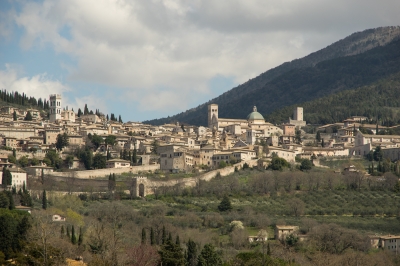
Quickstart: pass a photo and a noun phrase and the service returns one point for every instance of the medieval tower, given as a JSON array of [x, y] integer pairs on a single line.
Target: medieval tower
[[55, 107], [212, 111]]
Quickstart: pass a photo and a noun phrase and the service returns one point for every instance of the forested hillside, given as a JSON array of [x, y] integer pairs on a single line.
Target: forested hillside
[[270, 90], [380, 100]]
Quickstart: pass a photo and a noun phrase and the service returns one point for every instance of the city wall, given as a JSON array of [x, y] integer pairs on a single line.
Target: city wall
[[87, 174]]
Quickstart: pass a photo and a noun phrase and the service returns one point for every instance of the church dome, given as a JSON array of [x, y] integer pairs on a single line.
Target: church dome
[[255, 115]]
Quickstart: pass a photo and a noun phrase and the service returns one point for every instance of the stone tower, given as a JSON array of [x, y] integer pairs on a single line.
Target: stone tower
[[298, 114], [212, 111], [55, 107]]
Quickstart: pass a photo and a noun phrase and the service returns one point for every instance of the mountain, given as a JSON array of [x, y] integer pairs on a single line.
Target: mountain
[[378, 100], [288, 83]]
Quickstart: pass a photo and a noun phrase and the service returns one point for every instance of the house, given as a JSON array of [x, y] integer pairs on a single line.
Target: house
[[281, 231], [19, 177], [262, 236], [391, 243], [57, 218], [288, 129], [118, 163]]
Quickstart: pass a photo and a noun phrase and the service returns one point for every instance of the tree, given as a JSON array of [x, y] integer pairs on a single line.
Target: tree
[[154, 146], [99, 161], [6, 179], [15, 118], [225, 204], [322, 143], [96, 141], [143, 236], [378, 154], [134, 155], [14, 226], [143, 255], [62, 141], [278, 163], [334, 239], [222, 164], [110, 140], [191, 254], [87, 158], [28, 116], [171, 254], [73, 236], [69, 160], [119, 119], [152, 237], [305, 165], [79, 112], [53, 159], [86, 110], [318, 136], [44, 200], [4, 201], [25, 197], [209, 257], [296, 206], [11, 199], [111, 182], [80, 239], [298, 137]]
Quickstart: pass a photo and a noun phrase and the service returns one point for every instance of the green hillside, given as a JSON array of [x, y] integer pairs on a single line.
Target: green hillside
[[360, 59], [379, 100]]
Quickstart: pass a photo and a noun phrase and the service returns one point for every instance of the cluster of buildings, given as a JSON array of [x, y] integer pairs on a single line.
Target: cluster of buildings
[[180, 147]]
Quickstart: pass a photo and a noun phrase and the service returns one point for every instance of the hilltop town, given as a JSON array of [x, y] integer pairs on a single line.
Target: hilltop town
[[130, 146]]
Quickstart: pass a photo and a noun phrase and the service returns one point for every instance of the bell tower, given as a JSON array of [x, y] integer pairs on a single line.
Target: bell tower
[[212, 111]]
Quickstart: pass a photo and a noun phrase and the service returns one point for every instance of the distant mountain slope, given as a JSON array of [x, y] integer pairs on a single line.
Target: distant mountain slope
[[354, 44], [379, 100]]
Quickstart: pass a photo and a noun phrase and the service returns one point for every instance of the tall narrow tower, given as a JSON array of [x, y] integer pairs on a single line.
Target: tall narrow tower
[[212, 111], [55, 107], [298, 114]]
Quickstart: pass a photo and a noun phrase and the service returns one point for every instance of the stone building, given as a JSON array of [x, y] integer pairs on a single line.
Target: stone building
[[55, 107]]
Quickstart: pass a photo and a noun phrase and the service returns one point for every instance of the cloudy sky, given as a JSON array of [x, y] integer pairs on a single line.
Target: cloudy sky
[[153, 58]]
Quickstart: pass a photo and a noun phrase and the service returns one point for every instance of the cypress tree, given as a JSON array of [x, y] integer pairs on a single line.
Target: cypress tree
[[80, 239], [134, 159], [169, 237], [177, 240], [11, 205], [86, 110], [68, 233], [73, 236], [15, 116], [268, 250], [152, 238], [44, 200], [143, 236], [62, 231], [163, 236], [191, 255]]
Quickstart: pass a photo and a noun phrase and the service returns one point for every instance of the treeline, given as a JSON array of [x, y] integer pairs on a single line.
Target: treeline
[[378, 102], [24, 100]]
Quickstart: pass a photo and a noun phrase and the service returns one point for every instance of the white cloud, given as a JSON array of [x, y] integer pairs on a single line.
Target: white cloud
[[42, 85], [162, 51], [39, 86]]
